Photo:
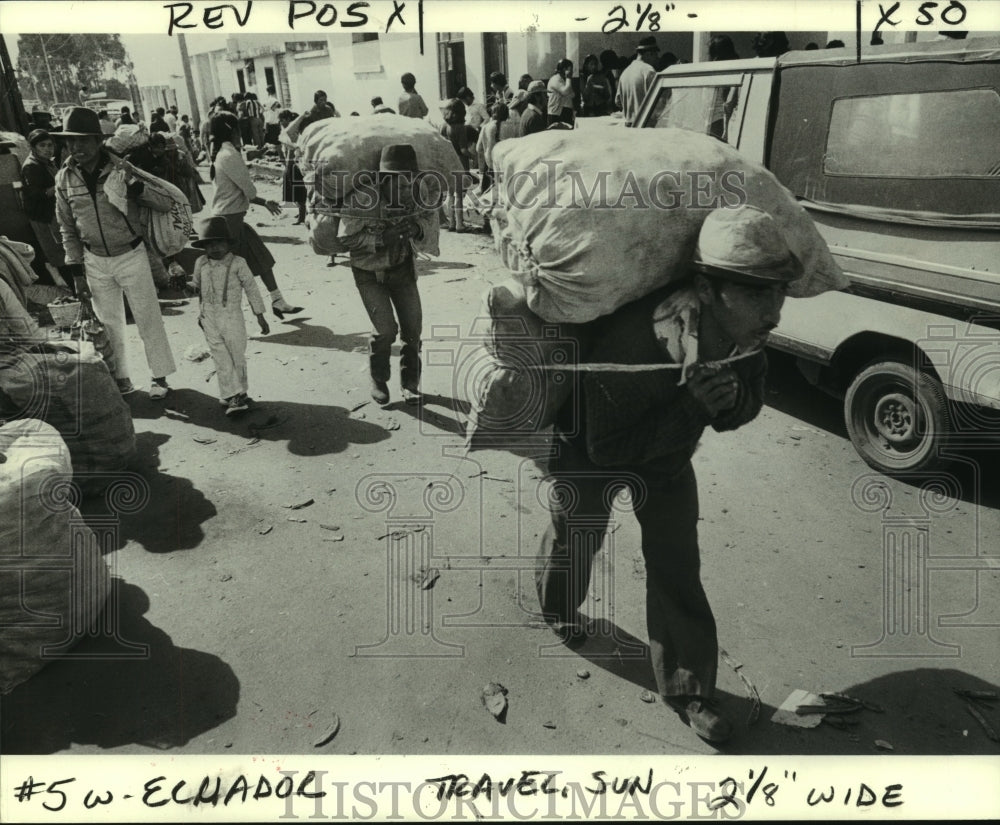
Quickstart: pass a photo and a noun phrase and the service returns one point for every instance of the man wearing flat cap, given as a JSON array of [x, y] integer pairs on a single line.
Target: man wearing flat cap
[[700, 342], [533, 119], [106, 249], [637, 78]]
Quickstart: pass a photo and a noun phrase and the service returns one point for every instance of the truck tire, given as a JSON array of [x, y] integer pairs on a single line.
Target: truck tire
[[897, 417]]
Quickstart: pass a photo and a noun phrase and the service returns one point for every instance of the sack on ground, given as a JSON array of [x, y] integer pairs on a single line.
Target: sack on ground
[[335, 149], [590, 220], [55, 582], [512, 380], [68, 386]]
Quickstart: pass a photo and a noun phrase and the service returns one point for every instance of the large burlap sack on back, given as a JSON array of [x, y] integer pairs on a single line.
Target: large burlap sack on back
[[581, 254], [127, 137], [53, 580], [513, 380], [69, 387], [334, 149]]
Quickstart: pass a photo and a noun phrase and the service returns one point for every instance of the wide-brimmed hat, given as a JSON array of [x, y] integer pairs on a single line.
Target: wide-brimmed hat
[[82, 122], [746, 246], [398, 157], [212, 229], [647, 44], [37, 136], [537, 86]]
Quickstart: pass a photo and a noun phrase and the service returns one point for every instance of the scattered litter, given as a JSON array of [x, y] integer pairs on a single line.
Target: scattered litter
[[786, 714], [583, 674], [392, 424], [357, 407], [455, 280], [210, 375], [647, 697], [334, 527], [495, 700], [549, 725], [226, 577], [395, 535], [495, 478], [430, 577], [330, 732], [300, 505], [335, 538], [295, 518], [749, 687], [253, 441], [197, 352], [176, 414], [204, 440], [265, 530], [988, 729], [881, 744]]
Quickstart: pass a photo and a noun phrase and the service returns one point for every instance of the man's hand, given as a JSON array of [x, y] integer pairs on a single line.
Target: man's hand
[[264, 328], [273, 207], [715, 388]]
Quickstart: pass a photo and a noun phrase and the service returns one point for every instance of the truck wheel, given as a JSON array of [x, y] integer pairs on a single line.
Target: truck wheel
[[897, 417]]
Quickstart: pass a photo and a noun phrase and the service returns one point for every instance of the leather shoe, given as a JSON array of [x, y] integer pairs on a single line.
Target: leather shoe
[[696, 713], [380, 392]]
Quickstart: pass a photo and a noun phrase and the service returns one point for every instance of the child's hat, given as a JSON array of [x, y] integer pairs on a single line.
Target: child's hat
[[213, 229]]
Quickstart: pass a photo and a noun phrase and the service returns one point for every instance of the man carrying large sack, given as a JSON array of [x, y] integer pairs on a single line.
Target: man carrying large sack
[[700, 343]]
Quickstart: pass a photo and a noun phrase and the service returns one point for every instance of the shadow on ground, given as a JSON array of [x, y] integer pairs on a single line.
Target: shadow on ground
[[136, 689]]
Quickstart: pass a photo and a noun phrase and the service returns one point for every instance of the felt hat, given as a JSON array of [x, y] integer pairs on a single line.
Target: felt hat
[[537, 86], [519, 99], [213, 229], [746, 246], [398, 157], [647, 44], [82, 122]]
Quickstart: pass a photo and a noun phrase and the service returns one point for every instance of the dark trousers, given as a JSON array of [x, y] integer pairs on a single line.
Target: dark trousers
[[683, 645], [397, 291]]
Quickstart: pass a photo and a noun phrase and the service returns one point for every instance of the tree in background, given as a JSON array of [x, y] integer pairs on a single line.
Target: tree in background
[[60, 65]]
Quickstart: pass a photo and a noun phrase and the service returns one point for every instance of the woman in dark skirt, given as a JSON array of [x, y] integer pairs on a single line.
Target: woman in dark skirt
[[293, 187], [234, 192]]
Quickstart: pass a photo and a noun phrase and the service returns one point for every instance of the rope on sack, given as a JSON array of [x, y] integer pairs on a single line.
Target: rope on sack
[[609, 367]]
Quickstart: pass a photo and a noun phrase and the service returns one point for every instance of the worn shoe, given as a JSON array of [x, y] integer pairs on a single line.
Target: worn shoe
[[697, 714], [158, 391], [237, 404], [380, 392], [411, 397], [125, 386], [281, 307]]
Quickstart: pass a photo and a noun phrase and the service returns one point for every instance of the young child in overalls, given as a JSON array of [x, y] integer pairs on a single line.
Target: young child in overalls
[[221, 278]]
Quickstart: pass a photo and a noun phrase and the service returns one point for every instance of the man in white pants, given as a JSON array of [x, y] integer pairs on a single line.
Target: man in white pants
[[104, 246]]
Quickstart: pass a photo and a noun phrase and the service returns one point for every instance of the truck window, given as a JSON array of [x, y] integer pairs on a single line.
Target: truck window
[[930, 134], [707, 109]]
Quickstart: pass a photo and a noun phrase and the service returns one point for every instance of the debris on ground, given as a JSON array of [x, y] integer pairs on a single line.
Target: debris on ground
[[335, 538], [495, 700], [201, 440], [748, 686], [332, 527], [882, 745], [197, 352], [172, 413], [647, 697], [583, 674], [299, 520], [787, 713], [265, 530], [299, 505], [976, 701], [549, 725], [332, 730]]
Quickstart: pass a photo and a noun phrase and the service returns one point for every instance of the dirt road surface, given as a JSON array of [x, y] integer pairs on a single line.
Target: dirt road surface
[[248, 626]]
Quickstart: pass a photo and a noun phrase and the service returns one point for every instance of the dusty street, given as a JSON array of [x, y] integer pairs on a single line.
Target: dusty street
[[248, 626]]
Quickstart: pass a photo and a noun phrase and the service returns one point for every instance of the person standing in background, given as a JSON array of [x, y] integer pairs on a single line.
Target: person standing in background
[[255, 114], [411, 104], [637, 78], [272, 108], [595, 89], [171, 118], [533, 119], [561, 94], [38, 195]]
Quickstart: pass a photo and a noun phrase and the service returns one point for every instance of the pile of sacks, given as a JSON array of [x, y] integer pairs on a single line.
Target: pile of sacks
[[586, 228], [53, 579], [339, 159]]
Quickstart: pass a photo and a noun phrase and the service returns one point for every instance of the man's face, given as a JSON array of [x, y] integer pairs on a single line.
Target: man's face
[[85, 149], [745, 314]]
